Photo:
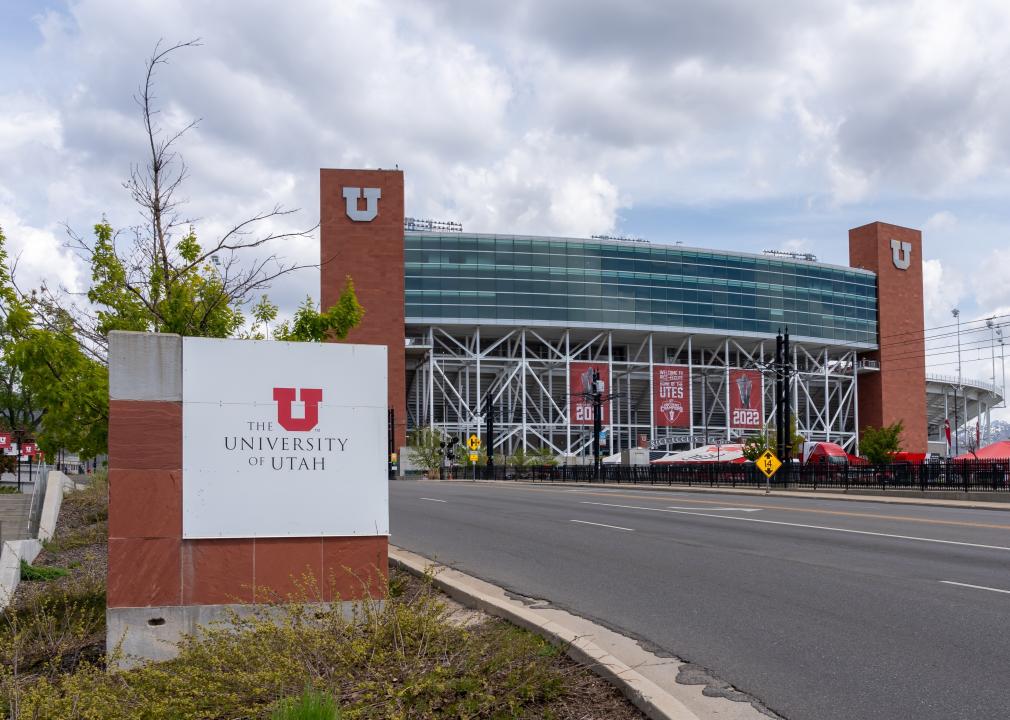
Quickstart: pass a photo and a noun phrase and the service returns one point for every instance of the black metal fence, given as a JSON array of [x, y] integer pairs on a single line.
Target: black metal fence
[[943, 476]]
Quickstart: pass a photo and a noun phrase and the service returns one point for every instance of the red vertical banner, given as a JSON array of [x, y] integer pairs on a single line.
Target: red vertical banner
[[671, 396], [746, 393], [5, 440], [580, 389]]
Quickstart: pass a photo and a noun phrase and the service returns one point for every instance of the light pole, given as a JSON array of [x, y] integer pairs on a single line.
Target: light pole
[[999, 336], [957, 316], [992, 346]]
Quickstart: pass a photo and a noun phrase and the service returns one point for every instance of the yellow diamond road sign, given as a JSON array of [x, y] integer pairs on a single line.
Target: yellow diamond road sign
[[474, 442], [768, 463]]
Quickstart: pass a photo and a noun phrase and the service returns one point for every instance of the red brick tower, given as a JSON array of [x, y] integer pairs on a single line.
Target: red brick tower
[[898, 391], [361, 215]]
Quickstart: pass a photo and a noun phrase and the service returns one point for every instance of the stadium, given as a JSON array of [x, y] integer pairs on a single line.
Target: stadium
[[683, 338]]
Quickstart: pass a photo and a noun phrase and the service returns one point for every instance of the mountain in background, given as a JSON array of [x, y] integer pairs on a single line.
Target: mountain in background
[[1000, 430]]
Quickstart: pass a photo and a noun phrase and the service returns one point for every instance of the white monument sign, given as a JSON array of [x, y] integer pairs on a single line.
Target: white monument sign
[[283, 439]]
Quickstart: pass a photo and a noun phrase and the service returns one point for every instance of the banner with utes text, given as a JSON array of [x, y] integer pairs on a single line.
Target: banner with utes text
[[671, 395], [745, 399], [580, 390]]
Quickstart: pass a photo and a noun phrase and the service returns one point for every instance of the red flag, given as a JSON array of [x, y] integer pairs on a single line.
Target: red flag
[[946, 430], [5, 441]]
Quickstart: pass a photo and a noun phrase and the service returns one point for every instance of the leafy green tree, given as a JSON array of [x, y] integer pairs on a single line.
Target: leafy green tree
[[424, 448], [155, 277], [538, 457], [755, 445], [878, 445]]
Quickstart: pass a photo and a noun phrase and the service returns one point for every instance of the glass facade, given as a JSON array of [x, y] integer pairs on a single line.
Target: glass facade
[[505, 279]]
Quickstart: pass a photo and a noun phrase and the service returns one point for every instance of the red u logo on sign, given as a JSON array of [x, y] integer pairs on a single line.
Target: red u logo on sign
[[310, 396]]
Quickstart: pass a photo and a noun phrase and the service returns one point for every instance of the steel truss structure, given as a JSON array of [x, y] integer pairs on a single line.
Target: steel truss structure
[[527, 371]]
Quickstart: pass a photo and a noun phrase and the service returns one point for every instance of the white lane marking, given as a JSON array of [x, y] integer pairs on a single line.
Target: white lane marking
[[613, 527], [435, 500], [977, 587], [800, 525], [736, 509]]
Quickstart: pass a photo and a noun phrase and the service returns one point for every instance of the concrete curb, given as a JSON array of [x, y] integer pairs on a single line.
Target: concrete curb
[[889, 499], [647, 696]]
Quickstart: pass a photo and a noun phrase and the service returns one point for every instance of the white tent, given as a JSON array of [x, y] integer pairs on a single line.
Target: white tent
[[706, 453]]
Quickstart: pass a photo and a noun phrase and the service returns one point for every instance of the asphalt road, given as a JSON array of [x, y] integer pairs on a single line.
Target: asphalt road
[[820, 609]]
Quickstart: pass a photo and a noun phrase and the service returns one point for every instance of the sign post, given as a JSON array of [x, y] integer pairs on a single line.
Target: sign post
[[473, 442], [769, 465]]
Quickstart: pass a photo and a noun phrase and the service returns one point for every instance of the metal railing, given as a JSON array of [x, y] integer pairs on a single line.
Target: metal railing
[[38, 498], [942, 476]]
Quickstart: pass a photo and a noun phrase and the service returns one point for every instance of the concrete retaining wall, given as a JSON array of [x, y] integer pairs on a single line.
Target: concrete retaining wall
[[14, 551]]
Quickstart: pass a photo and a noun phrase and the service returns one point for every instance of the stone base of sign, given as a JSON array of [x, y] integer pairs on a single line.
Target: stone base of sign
[[161, 585], [153, 633]]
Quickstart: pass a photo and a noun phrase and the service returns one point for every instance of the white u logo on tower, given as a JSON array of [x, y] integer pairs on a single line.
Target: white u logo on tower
[[901, 254], [372, 195]]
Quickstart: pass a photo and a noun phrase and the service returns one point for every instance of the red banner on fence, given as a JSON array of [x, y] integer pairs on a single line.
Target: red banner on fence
[[5, 441], [580, 388], [671, 396], [745, 399]]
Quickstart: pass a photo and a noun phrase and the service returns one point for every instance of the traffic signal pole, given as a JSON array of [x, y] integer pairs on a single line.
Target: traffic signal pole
[[787, 417], [779, 403], [597, 422]]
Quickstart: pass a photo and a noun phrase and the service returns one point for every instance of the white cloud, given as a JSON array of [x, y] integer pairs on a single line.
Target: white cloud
[[943, 290], [538, 117]]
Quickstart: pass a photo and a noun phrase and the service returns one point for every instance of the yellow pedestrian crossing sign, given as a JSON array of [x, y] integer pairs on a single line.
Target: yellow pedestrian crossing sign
[[474, 442], [768, 463]]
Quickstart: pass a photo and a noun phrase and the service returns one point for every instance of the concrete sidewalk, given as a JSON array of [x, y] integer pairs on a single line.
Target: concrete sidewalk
[[14, 515], [951, 500]]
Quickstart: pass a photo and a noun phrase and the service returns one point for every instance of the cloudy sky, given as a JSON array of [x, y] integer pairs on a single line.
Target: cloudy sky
[[724, 123]]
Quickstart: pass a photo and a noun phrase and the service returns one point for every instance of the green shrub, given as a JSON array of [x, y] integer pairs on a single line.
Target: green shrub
[[401, 659], [310, 705], [41, 572], [8, 490]]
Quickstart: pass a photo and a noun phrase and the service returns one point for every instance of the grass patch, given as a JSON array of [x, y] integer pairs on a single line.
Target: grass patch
[[42, 572], [310, 705], [8, 490]]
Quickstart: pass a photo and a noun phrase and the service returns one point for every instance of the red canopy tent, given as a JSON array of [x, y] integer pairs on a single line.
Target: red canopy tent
[[997, 451]]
